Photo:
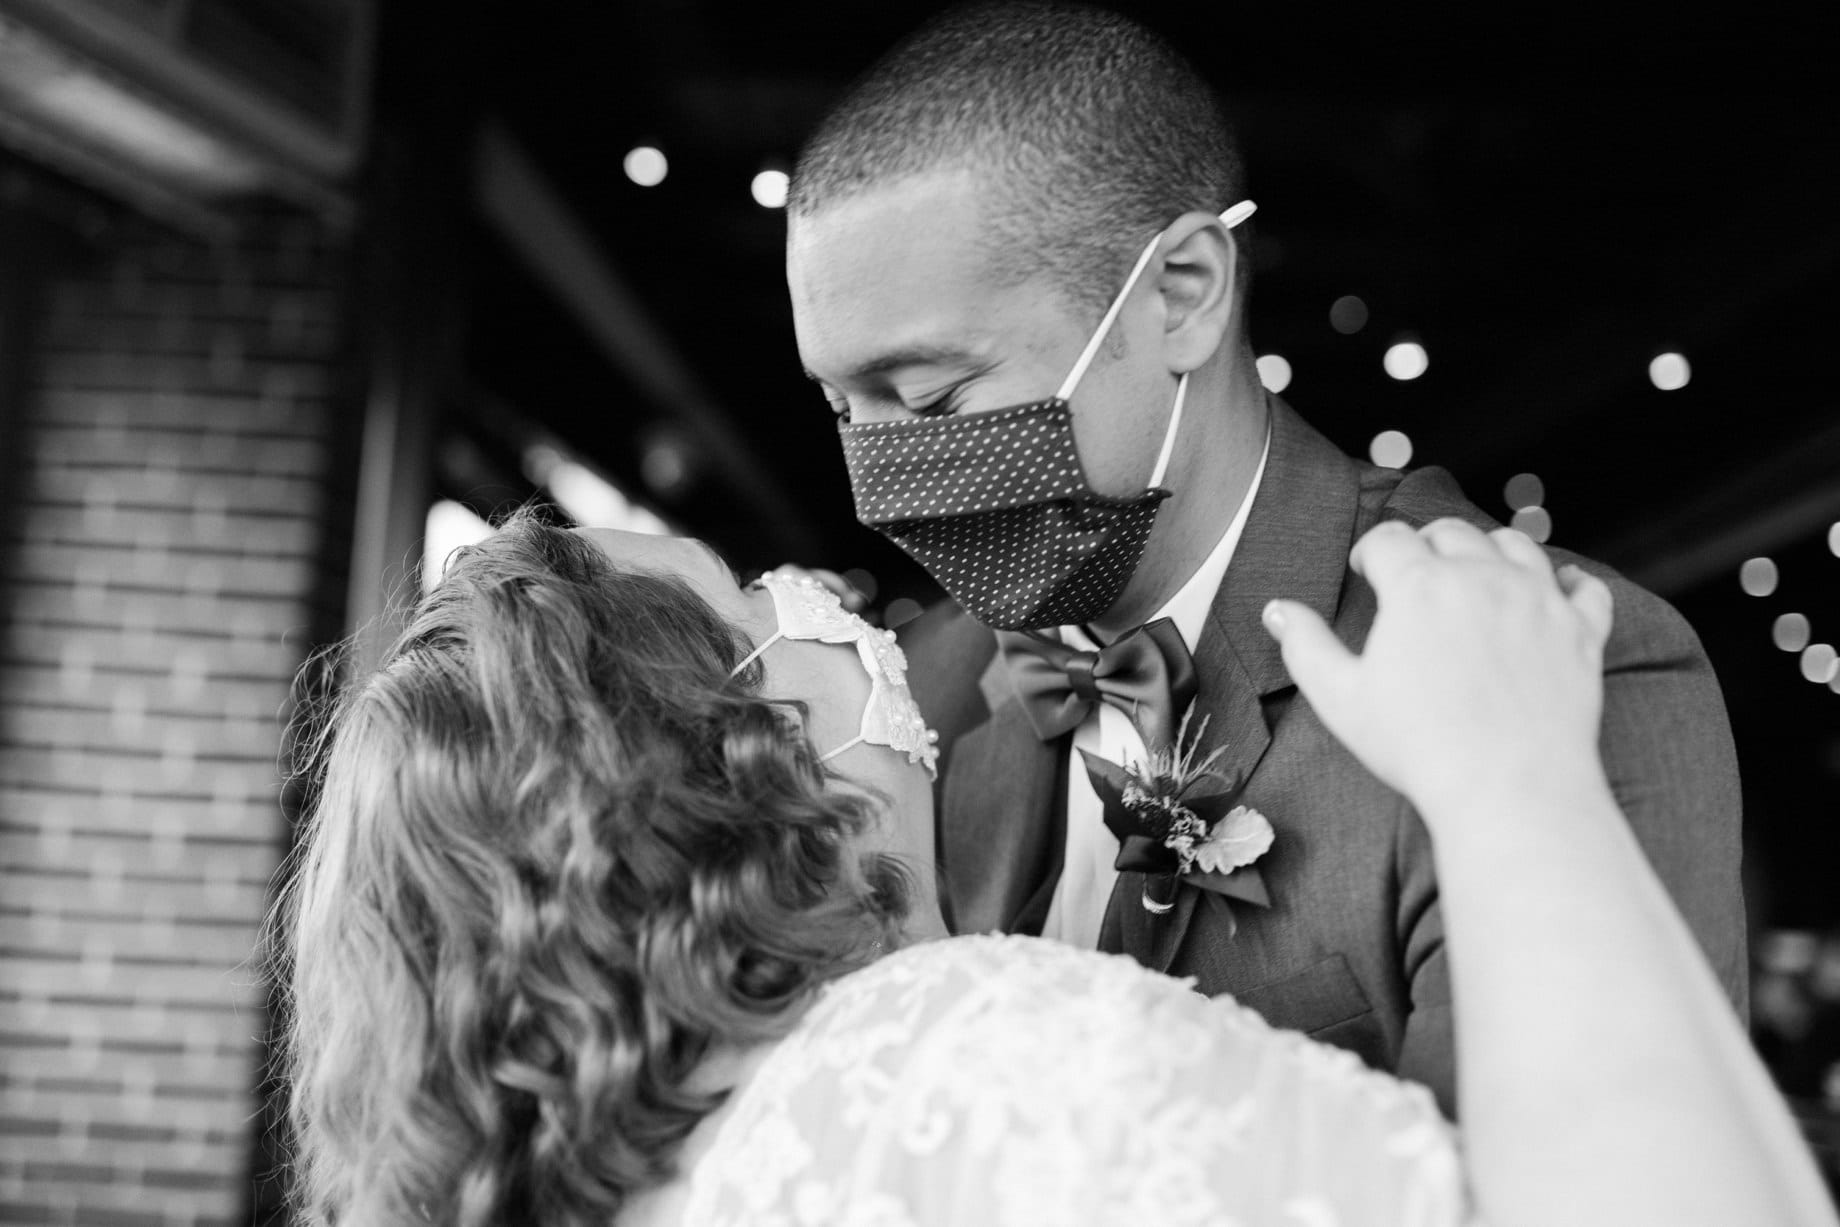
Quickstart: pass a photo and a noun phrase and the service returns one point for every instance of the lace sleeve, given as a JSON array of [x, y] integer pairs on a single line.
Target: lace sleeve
[[1011, 1081]]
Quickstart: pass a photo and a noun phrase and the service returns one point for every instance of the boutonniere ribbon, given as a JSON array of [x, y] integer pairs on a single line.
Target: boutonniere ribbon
[[1179, 821]]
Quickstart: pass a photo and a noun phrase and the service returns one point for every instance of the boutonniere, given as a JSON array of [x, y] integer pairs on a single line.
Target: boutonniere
[[1179, 821]]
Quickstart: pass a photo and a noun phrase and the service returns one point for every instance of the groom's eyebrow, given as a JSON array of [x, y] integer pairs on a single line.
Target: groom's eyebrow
[[906, 356]]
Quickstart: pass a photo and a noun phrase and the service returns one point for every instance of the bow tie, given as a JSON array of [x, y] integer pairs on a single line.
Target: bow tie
[[1147, 674]]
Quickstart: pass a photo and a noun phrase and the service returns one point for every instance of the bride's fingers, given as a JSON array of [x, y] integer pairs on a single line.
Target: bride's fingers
[[1319, 663], [852, 597], [1591, 597], [1454, 538], [1384, 549], [1518, 547]]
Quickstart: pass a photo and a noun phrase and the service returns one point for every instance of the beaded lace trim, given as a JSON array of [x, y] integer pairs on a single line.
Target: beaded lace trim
[[806, 609]]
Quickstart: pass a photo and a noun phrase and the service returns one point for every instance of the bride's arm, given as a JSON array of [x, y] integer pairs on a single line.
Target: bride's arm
[[1603, 1078]]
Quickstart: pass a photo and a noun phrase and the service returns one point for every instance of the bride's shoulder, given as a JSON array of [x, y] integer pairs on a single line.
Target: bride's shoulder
[[1038, 963], [992, 979], [967, 990], [1008, 1070]]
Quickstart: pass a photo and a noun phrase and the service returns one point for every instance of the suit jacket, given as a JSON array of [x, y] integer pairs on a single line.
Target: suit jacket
[[1351, 949]]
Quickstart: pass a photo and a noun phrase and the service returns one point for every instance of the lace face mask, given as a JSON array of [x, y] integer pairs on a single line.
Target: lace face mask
[[806, 609]]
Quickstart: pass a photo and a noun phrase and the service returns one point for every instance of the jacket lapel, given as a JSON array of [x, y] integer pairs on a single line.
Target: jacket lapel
[[999, 841], [1295, 545]]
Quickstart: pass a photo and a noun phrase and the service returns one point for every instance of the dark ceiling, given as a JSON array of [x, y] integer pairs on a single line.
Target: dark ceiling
[[1545, 205], [1544, 202]]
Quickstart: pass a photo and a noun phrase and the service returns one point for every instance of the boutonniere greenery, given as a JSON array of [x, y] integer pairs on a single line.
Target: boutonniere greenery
[[1179, 821]]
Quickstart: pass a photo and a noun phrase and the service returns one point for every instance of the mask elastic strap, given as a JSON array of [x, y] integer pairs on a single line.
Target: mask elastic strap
[[1169, 438], [1231, 218], [1105, 325], [755, 654], [854, 741]]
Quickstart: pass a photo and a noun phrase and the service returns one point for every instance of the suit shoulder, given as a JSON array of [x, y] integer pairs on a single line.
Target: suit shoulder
[[1647, 627], [1422, 495], [944, 636], [947, 653]]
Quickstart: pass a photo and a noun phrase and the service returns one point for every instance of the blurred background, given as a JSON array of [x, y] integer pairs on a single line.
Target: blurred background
[[297, 293]]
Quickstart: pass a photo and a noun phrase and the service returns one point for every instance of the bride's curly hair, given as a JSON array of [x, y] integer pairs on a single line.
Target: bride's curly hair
[[552, 856]]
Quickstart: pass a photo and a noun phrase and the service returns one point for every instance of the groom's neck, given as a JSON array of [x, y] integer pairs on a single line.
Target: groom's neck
[[1217, 453]]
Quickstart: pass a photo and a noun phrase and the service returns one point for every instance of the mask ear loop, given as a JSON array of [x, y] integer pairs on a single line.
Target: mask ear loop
[[1169, 436], [753, 656], [1231, 218], [1105, 325]]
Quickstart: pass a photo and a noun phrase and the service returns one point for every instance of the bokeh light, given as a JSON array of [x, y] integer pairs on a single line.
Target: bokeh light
[[1391, 449], [646, 166], [664, 465], [1524, 490], [1669, 372], [1790, 632], [1536, 522], [769, 188], [1820, 663], [1758, 576], [1348, 315], [1833, 539], [1406, 360], [1274, 372]]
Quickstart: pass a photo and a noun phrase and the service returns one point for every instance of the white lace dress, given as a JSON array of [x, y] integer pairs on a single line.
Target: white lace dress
[[1009, 1081]]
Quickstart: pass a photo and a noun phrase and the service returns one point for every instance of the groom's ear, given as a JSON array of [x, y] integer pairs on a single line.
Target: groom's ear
[[1199, 284]]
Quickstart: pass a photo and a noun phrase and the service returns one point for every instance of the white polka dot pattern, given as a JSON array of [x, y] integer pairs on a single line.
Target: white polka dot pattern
[[918, 468], [996, 508]]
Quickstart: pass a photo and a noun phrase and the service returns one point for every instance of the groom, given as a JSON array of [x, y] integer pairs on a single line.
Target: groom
[[1011, 275]]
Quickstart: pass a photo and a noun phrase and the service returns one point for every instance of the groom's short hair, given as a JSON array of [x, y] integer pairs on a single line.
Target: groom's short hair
[[1094, 131]]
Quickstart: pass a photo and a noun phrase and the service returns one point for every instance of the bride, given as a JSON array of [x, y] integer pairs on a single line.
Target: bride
[[613, 904]]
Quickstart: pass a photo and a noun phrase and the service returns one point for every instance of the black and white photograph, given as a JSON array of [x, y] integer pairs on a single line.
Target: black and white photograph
[[1015, 613]]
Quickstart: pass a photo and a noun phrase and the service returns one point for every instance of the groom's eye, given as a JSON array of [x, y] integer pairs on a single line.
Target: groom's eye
[[942, 403], [838, 402]]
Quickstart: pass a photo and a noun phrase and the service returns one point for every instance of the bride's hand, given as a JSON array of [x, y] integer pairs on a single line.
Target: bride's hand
[[852, 597], [1483, 670]]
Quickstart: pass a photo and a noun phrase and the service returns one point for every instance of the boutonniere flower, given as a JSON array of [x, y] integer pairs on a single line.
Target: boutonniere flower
[[1179, 821]]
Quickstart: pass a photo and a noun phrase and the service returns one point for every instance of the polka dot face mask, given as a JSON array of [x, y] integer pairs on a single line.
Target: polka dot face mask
[[996, 506]]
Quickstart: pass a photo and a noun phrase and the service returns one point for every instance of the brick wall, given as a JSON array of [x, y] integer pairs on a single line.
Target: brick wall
[[164, 580]]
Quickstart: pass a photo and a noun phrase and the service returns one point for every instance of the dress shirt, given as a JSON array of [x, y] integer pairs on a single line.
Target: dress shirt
[[1087, 877]]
